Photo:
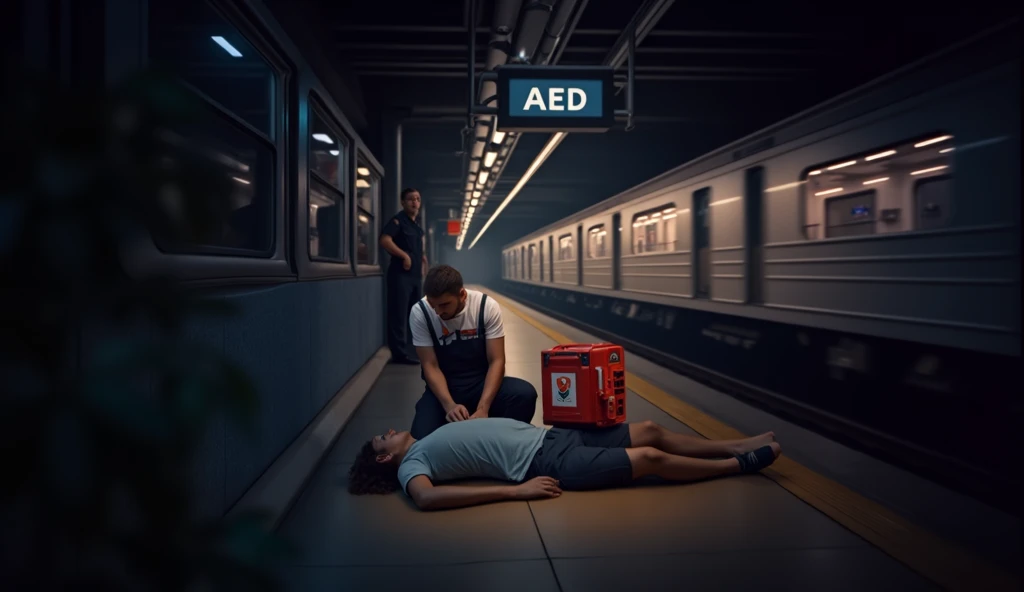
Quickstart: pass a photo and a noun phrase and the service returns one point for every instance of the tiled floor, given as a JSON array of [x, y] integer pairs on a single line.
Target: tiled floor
[[741, 533]]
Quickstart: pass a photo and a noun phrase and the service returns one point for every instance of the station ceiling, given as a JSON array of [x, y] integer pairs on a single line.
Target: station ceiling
[[707, 74]]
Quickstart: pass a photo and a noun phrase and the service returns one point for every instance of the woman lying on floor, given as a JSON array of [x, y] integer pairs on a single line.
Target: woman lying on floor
[[540, 462]]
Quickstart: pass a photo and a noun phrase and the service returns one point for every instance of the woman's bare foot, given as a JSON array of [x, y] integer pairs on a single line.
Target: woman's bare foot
[[756, 442]]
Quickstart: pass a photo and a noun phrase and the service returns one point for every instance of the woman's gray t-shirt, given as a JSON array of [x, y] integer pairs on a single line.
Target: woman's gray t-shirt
[[490, 447]]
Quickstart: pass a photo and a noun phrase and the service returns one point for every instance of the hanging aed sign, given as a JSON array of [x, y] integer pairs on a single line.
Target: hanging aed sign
[[555, 98], [454, 227]]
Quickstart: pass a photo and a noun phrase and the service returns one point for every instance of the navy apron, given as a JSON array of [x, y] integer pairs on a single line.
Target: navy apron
[[463, 362]]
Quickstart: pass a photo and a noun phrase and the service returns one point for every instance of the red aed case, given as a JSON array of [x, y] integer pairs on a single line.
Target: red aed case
[[584, 383]]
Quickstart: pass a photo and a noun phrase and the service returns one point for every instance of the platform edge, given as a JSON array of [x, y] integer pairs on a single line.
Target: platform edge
[[280, 485]]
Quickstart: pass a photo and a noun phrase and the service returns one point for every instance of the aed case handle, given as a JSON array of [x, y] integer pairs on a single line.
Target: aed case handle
[[583, 357]]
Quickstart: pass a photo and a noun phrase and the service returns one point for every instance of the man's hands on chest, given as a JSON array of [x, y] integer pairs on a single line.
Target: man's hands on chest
[[457, 412]]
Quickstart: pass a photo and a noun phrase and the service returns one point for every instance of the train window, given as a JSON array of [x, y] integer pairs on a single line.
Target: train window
[[328, 149], [247, 169], [533, 256], [367, 190], [326, 219], [233, 134], [565, 250], [655, 229], [327, 184], [865, 194], [597, 240], [190, 39]]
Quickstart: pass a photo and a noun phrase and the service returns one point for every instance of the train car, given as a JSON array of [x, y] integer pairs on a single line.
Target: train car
[[298, 258], [854, 267]]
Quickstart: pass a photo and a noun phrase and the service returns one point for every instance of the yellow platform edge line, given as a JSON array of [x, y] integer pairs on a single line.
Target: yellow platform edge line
[[943, 563]]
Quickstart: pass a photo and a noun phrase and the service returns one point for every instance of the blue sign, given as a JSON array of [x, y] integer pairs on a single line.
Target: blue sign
[[555, 98], [538, 97]]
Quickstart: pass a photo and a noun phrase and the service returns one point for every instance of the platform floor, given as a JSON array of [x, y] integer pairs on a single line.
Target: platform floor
[[738, 533]]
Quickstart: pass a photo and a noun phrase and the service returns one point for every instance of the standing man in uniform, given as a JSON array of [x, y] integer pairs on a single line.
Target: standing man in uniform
[[403, 238], [460, 340]]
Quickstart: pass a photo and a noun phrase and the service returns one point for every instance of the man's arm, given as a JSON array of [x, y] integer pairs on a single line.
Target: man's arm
[[428, 497], [494, 333], [495, 373], [435, 378], [389, 245], [443, 497]]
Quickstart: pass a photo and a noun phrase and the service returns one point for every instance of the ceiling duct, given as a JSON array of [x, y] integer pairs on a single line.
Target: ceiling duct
[[521, 34]]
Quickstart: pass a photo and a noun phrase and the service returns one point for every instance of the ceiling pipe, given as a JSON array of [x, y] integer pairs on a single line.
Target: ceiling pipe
[[536, 15], [521, 39], [556, 26]]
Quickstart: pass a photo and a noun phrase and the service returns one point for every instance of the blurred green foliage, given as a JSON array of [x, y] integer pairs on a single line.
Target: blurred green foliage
[[97, 435]]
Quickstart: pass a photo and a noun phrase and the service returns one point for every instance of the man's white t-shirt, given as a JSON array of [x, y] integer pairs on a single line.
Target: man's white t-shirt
[[465, 324]]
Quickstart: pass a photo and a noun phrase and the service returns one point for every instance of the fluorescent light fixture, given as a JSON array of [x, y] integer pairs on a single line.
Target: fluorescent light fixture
[[227, 46], [818, 172], [362, 183], [474, 201], [873, 181], [931, 170], [668, 217], [241, 180], [335, 152], [476, 194], [881, 155], [553, 143], [828, 191], [489, 159], [498, 137], [945, 150], [932, 141], [323, 138], [363, 171], [842, 164], [482, 177]]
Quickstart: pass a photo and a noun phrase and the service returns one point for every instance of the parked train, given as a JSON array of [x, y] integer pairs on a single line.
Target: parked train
[[854, 267]]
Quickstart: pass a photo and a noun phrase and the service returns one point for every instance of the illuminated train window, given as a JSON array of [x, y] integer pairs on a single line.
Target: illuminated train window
[[889, 189], [655, 229], [565, 250], [597, 242]]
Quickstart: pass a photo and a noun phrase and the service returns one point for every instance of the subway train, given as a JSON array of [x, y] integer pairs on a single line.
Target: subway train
[[854, 268]]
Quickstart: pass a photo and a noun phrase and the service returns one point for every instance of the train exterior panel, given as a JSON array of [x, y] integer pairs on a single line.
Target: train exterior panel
[[856, 264], [298, 258]]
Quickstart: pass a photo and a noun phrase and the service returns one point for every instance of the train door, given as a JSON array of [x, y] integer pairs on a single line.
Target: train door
[[755, 227], [616, 251], [551, 258], [540, 277], [701, 242], [932, 201], [579, 255]]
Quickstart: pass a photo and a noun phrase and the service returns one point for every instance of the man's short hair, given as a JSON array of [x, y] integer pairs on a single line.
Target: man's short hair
[[407, 191], [442, 279]]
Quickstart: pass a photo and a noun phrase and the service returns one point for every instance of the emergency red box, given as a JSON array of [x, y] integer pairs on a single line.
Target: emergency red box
[[584, 384]]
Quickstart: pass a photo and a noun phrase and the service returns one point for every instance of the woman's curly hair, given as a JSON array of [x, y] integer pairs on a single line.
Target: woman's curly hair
[[369, 476]]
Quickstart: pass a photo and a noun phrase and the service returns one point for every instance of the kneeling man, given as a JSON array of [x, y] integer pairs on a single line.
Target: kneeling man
[[460, 341], [538, 463]]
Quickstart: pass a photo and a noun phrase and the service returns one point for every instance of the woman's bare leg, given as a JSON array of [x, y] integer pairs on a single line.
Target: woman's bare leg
[[648, 433], [651, 461]]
